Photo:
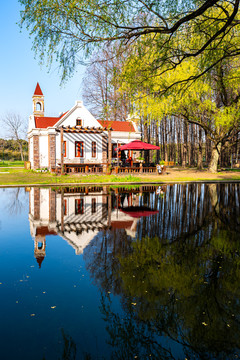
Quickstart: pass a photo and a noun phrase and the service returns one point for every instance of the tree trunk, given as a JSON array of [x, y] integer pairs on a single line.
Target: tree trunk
[[185, 144], [157, 142], [200, 155], [145, 134], [166, 140], [212, 167], [21, 149]]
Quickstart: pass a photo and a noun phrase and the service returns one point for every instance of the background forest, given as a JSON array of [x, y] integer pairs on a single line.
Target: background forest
[[173, 65], [184, 129], [9, 150]]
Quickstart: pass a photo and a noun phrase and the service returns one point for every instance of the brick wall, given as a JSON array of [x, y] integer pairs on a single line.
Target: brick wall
[[36, 162], [51, 150], [52, 205], [36, 197]]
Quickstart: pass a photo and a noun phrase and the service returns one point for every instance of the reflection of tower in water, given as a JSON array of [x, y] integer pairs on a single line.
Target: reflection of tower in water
[[40, 249]]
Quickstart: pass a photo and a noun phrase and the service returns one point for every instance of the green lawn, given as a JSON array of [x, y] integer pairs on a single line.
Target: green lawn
[[15, 176], [11, 164]]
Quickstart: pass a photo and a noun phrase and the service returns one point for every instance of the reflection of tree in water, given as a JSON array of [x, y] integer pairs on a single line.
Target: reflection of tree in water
[[182, 284], [102, 258], [69, 351], [187, 209], [15, 203]]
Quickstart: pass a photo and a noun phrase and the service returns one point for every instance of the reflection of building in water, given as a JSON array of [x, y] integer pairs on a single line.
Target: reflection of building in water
[[77, 215]]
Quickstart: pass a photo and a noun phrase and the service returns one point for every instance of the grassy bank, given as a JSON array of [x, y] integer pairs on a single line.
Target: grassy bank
[[13, 176], [11, 164]]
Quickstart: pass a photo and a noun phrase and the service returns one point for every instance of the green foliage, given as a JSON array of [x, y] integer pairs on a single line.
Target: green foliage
[[173, 31]]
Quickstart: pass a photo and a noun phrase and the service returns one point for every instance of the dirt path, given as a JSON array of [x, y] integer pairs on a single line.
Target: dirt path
[[174, 174]]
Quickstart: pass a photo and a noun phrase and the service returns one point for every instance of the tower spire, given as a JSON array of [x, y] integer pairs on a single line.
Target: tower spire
[[38, 101], [38, 90]]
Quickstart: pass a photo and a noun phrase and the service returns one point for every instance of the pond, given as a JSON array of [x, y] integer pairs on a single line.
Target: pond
[[145, 272]]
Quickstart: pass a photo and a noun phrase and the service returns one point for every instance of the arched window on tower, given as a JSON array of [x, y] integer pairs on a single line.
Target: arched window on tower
[[38, 106]]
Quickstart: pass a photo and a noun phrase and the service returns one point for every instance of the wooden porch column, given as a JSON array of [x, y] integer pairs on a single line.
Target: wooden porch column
[[61, 149], [109, 146], [109, 209]]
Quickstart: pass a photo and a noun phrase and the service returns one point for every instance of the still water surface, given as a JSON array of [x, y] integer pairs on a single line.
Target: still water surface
[[121, 273]]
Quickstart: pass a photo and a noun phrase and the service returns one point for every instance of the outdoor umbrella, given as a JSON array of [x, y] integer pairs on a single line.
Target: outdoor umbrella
[[138, 145]]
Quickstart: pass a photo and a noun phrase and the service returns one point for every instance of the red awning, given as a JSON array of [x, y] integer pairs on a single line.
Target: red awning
[[138, 211], [138, 145]]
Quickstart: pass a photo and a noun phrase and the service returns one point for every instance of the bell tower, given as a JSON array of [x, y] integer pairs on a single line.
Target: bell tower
[[38, 102]]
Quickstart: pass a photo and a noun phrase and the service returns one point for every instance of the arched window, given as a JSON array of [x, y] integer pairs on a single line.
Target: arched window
[[38, 106]]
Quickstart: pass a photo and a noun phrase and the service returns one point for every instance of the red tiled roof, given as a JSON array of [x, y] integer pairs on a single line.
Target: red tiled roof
[[44, 122], [38, 90], [118, 125], [121, 224], [40, 260], [44, 230]]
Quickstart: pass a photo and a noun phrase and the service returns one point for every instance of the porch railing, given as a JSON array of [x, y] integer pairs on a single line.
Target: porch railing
[[98, 169]]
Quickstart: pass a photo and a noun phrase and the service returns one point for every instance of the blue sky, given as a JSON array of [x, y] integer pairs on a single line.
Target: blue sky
[[20, 72]]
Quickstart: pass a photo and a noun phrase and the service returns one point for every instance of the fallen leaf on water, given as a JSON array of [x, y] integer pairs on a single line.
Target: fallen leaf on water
[[109, 292], [53, 307], [205, 324], [32, 314], [44, 292], [228, 325], [134, 304]]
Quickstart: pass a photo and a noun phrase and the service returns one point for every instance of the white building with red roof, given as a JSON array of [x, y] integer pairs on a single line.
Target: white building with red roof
[[76, 133]]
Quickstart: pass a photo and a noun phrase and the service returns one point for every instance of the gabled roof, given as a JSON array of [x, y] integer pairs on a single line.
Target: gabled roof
[[126, 126], [38, 90], [43, 122]]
